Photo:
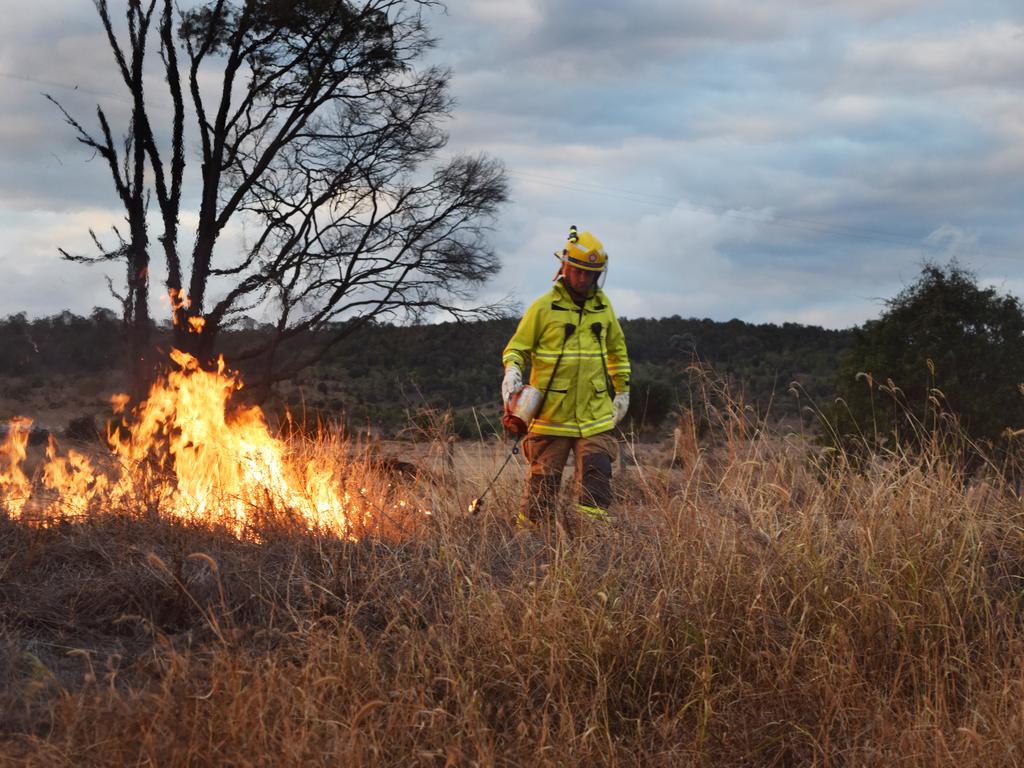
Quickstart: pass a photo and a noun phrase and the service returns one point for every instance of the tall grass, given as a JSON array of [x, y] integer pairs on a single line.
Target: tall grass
[[763, 605]]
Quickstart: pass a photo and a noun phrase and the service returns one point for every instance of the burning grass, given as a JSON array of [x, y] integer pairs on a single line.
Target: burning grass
[[759, 607], [187, 452]]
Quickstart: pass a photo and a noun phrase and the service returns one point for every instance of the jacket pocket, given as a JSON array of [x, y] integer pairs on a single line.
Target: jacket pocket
[[600, 404]]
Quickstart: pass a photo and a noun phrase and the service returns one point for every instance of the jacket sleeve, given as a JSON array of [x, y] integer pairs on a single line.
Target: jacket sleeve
[[520, 347], [618, 358]]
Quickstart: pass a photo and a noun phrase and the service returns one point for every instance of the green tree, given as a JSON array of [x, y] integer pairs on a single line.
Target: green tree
[[946, 344], [650, 402]]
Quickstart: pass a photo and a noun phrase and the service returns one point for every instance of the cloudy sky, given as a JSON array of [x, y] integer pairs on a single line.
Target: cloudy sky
[[780, 160]]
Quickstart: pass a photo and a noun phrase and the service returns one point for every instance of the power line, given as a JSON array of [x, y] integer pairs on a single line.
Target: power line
[[63, 86]]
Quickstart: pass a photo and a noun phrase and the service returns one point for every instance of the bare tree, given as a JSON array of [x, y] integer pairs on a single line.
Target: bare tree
[[313, 125]]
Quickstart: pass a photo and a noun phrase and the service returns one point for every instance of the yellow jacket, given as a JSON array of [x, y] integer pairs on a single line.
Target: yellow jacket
[[578, 403]]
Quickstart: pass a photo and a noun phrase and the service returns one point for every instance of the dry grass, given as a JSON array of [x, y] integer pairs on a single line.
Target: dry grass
[[757, 607]]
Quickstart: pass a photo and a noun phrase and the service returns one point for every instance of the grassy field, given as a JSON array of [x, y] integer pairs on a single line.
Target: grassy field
[[757, 603]]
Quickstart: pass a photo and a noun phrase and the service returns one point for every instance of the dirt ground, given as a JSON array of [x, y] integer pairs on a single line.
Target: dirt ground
[[53, 403]]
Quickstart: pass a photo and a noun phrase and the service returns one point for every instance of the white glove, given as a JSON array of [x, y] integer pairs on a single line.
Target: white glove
[[619, 406], [512, 382]]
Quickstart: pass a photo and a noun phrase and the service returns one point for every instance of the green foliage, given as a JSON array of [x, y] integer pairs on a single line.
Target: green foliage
[[61, 344], [942, 344], [458, 365], [650, 400]]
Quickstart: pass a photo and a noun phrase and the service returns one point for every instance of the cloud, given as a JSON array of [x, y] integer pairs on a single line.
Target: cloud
[[36, 280], [953, 243], [769, 161], [698, 264], [583, 41], [578, 40], [985, 56], [517, 18]]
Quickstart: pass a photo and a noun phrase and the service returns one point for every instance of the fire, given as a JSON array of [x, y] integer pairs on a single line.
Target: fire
[[14, 483], [178, 299], [187, 453]]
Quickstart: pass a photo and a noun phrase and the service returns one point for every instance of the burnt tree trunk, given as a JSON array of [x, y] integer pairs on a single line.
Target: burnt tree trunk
[[137, 320]]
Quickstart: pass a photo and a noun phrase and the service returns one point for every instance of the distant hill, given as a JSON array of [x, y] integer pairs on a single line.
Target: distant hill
[[384, 373]]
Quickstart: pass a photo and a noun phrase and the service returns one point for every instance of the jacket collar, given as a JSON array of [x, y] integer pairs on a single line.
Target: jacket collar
[[563, 300]]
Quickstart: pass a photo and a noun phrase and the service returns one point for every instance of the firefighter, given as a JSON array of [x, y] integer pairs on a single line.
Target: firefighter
[[576, 352]]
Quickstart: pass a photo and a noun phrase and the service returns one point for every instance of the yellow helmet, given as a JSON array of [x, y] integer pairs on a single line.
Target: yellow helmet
[[584, 251]]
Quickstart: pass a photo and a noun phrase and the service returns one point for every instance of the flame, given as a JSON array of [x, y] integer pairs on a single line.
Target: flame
[[187, 453], [178, 299], [73, 480], [14, 484]]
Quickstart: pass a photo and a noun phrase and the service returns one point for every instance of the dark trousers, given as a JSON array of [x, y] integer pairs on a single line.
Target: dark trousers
[[547, 456]]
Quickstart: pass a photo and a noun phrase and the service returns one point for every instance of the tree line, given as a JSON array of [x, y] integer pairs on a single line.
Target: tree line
[[944, 351], [387, 372]]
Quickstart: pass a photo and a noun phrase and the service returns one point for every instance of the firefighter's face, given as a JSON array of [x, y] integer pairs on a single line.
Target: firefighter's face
[[580, 281]]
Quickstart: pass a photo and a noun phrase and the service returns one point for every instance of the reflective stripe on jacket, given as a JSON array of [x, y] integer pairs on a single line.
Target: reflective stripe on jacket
[[578, 403]]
